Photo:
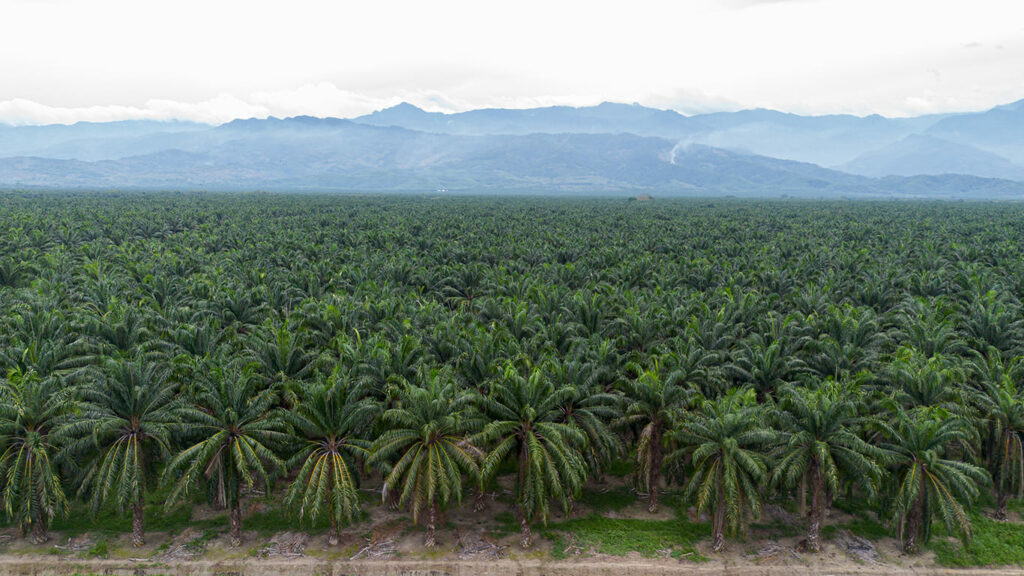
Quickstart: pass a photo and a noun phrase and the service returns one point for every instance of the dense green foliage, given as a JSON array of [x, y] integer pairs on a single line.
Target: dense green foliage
[[126, 429], [219, 343], [424, 447], [331, 418]]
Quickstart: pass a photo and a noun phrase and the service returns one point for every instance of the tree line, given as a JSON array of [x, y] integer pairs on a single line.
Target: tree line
[[744, 351]]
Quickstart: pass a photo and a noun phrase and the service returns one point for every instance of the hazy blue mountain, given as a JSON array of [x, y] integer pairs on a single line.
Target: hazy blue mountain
[[609, 147], [999, 130], [920, 154], [88, 140], [606, 118], [829, 140], [330, 154], [826, 140]]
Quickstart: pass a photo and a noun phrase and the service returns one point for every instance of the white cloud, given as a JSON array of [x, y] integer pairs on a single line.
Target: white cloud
[[322, 99], [223, 108], [213, 61]]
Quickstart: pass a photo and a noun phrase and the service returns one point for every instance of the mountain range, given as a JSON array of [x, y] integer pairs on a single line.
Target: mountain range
[[609, 148]]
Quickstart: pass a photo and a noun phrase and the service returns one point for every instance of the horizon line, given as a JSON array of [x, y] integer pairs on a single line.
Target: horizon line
[[141, 117]]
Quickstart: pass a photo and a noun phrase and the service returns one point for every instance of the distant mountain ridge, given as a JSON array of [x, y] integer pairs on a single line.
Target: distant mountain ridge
[[919, 154], [825, 140], [605, 148]]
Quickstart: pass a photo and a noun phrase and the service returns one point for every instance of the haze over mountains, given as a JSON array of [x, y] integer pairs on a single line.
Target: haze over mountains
[[605, 148]]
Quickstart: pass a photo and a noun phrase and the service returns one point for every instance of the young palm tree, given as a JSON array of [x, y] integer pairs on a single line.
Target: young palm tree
[[926, 483], [726, 440], [524, 419], [239, 432], [125, 429], [425, 449], [654, 404], [819, 444], [31, 408], [331, 419]]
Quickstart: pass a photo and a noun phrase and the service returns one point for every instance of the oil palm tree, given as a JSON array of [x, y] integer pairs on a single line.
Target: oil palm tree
[[332, 419], [920, 382], [726, 440], [819, 445], [654, 403], [765, 365], [589, 409], [126, 428], [424, 449], [524, 422], [1000, 404], [282, 357], [238, 432], [927, 483], [31, 409]]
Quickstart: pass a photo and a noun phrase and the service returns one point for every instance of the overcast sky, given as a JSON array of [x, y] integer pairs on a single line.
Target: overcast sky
[[215, 60]]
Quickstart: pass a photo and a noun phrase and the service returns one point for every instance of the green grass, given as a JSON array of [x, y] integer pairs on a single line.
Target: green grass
[[505, 525], [98, 550], [620, 536], [607, 501], [275, 518], [775, 530], [111, 521], [994, 544], [862, 527], [198, 545], [855, 506]]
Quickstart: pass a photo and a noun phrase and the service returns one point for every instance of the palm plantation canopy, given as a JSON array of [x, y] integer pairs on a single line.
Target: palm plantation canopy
[[741, 352]]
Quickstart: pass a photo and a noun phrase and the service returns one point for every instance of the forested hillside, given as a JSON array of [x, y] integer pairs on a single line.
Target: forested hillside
[[733, 353]]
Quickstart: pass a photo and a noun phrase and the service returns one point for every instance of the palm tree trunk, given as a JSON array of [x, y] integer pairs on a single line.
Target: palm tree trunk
[[138, 525], [39, 531], [910, 538], [1001, 495], [526, 538], [236, 526], [431, 526], [802, 496], [39, 524], [814, 519], [718, 521], [332, 536], [915, 522], [654, 472], [1001, 501], [479, 502]]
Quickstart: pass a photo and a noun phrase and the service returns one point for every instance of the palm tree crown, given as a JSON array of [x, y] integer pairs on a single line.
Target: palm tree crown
[[524, 420], [425, 448], [725, 439], [927, 483], [238, 432], [31, 409], [819, 444], [126, 428], [331, 420]]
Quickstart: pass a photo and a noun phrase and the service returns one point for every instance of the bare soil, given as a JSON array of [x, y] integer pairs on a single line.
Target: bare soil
[[469, 543]]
